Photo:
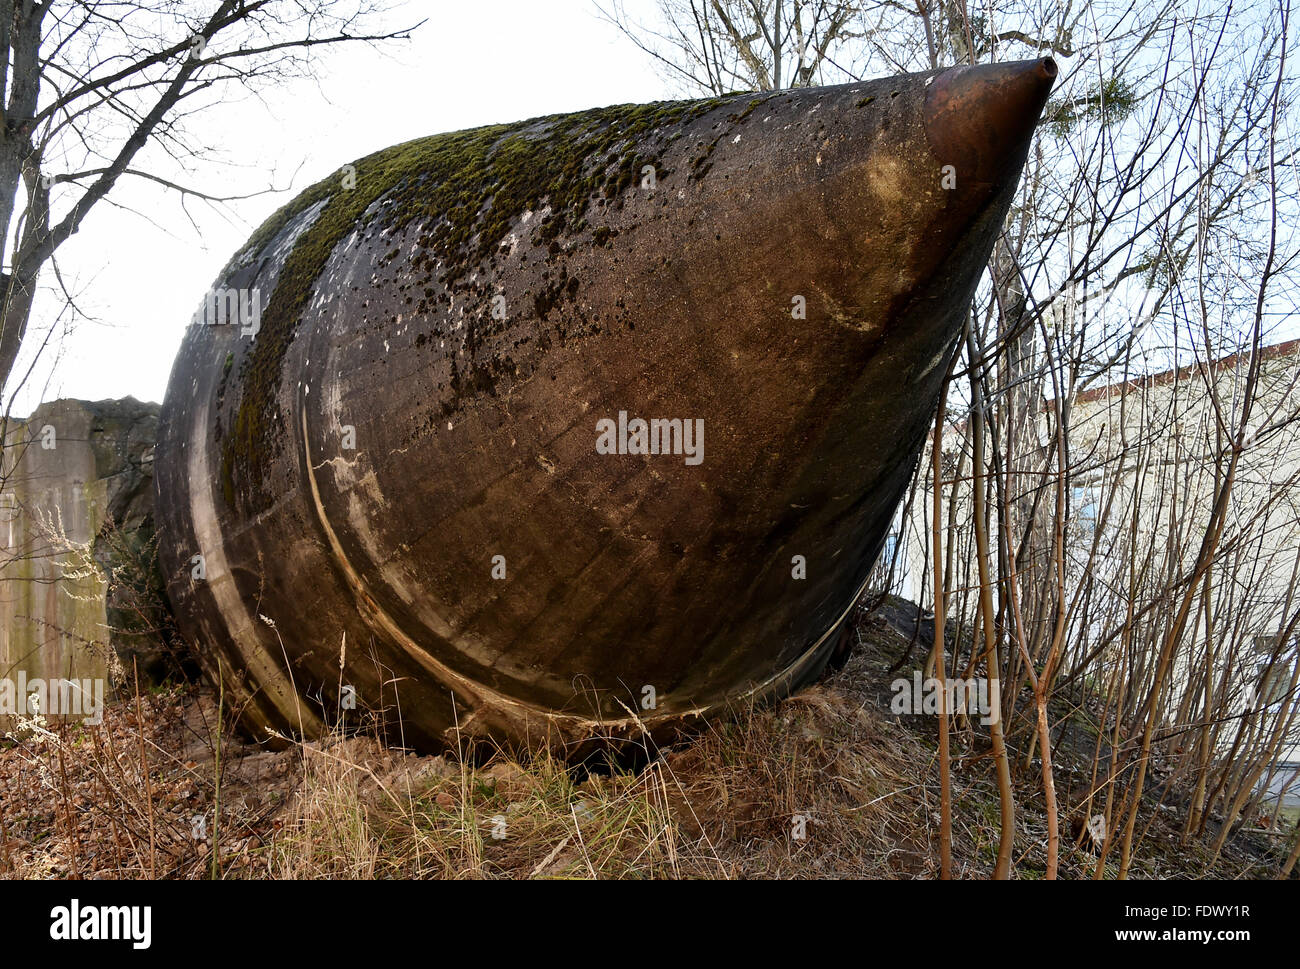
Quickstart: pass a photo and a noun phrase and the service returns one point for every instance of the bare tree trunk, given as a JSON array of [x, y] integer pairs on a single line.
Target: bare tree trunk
[[992, 665], [937, 651]]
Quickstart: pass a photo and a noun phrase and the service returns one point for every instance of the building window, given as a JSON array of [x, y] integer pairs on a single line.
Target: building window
[[1084, 508]]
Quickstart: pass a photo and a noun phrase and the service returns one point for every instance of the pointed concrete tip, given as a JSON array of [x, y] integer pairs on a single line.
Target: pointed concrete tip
[[980, 119]]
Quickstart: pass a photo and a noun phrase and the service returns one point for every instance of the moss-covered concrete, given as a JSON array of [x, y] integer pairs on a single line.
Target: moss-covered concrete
[[468, 188], [466, 309]]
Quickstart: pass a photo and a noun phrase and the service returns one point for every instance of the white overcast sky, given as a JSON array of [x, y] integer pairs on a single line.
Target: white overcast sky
[[140, 274]]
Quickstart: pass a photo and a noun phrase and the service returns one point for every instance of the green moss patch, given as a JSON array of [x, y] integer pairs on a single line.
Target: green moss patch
[[467, 189]]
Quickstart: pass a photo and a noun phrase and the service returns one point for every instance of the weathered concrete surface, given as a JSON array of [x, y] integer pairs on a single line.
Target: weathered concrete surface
[[75, 509], [465, 309]]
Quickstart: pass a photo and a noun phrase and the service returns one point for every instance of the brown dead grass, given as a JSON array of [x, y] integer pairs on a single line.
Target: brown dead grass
[[827, 784]]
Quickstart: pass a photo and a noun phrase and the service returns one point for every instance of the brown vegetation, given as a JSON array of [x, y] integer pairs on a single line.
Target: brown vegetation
[[826, 784]]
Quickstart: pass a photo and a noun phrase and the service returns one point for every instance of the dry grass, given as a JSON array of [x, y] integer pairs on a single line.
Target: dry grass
[[826, 784], [364, 812], [814, 788]]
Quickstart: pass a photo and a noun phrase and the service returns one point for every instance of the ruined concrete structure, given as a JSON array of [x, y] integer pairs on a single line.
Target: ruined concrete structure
[[438, 421], [76, 508]]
